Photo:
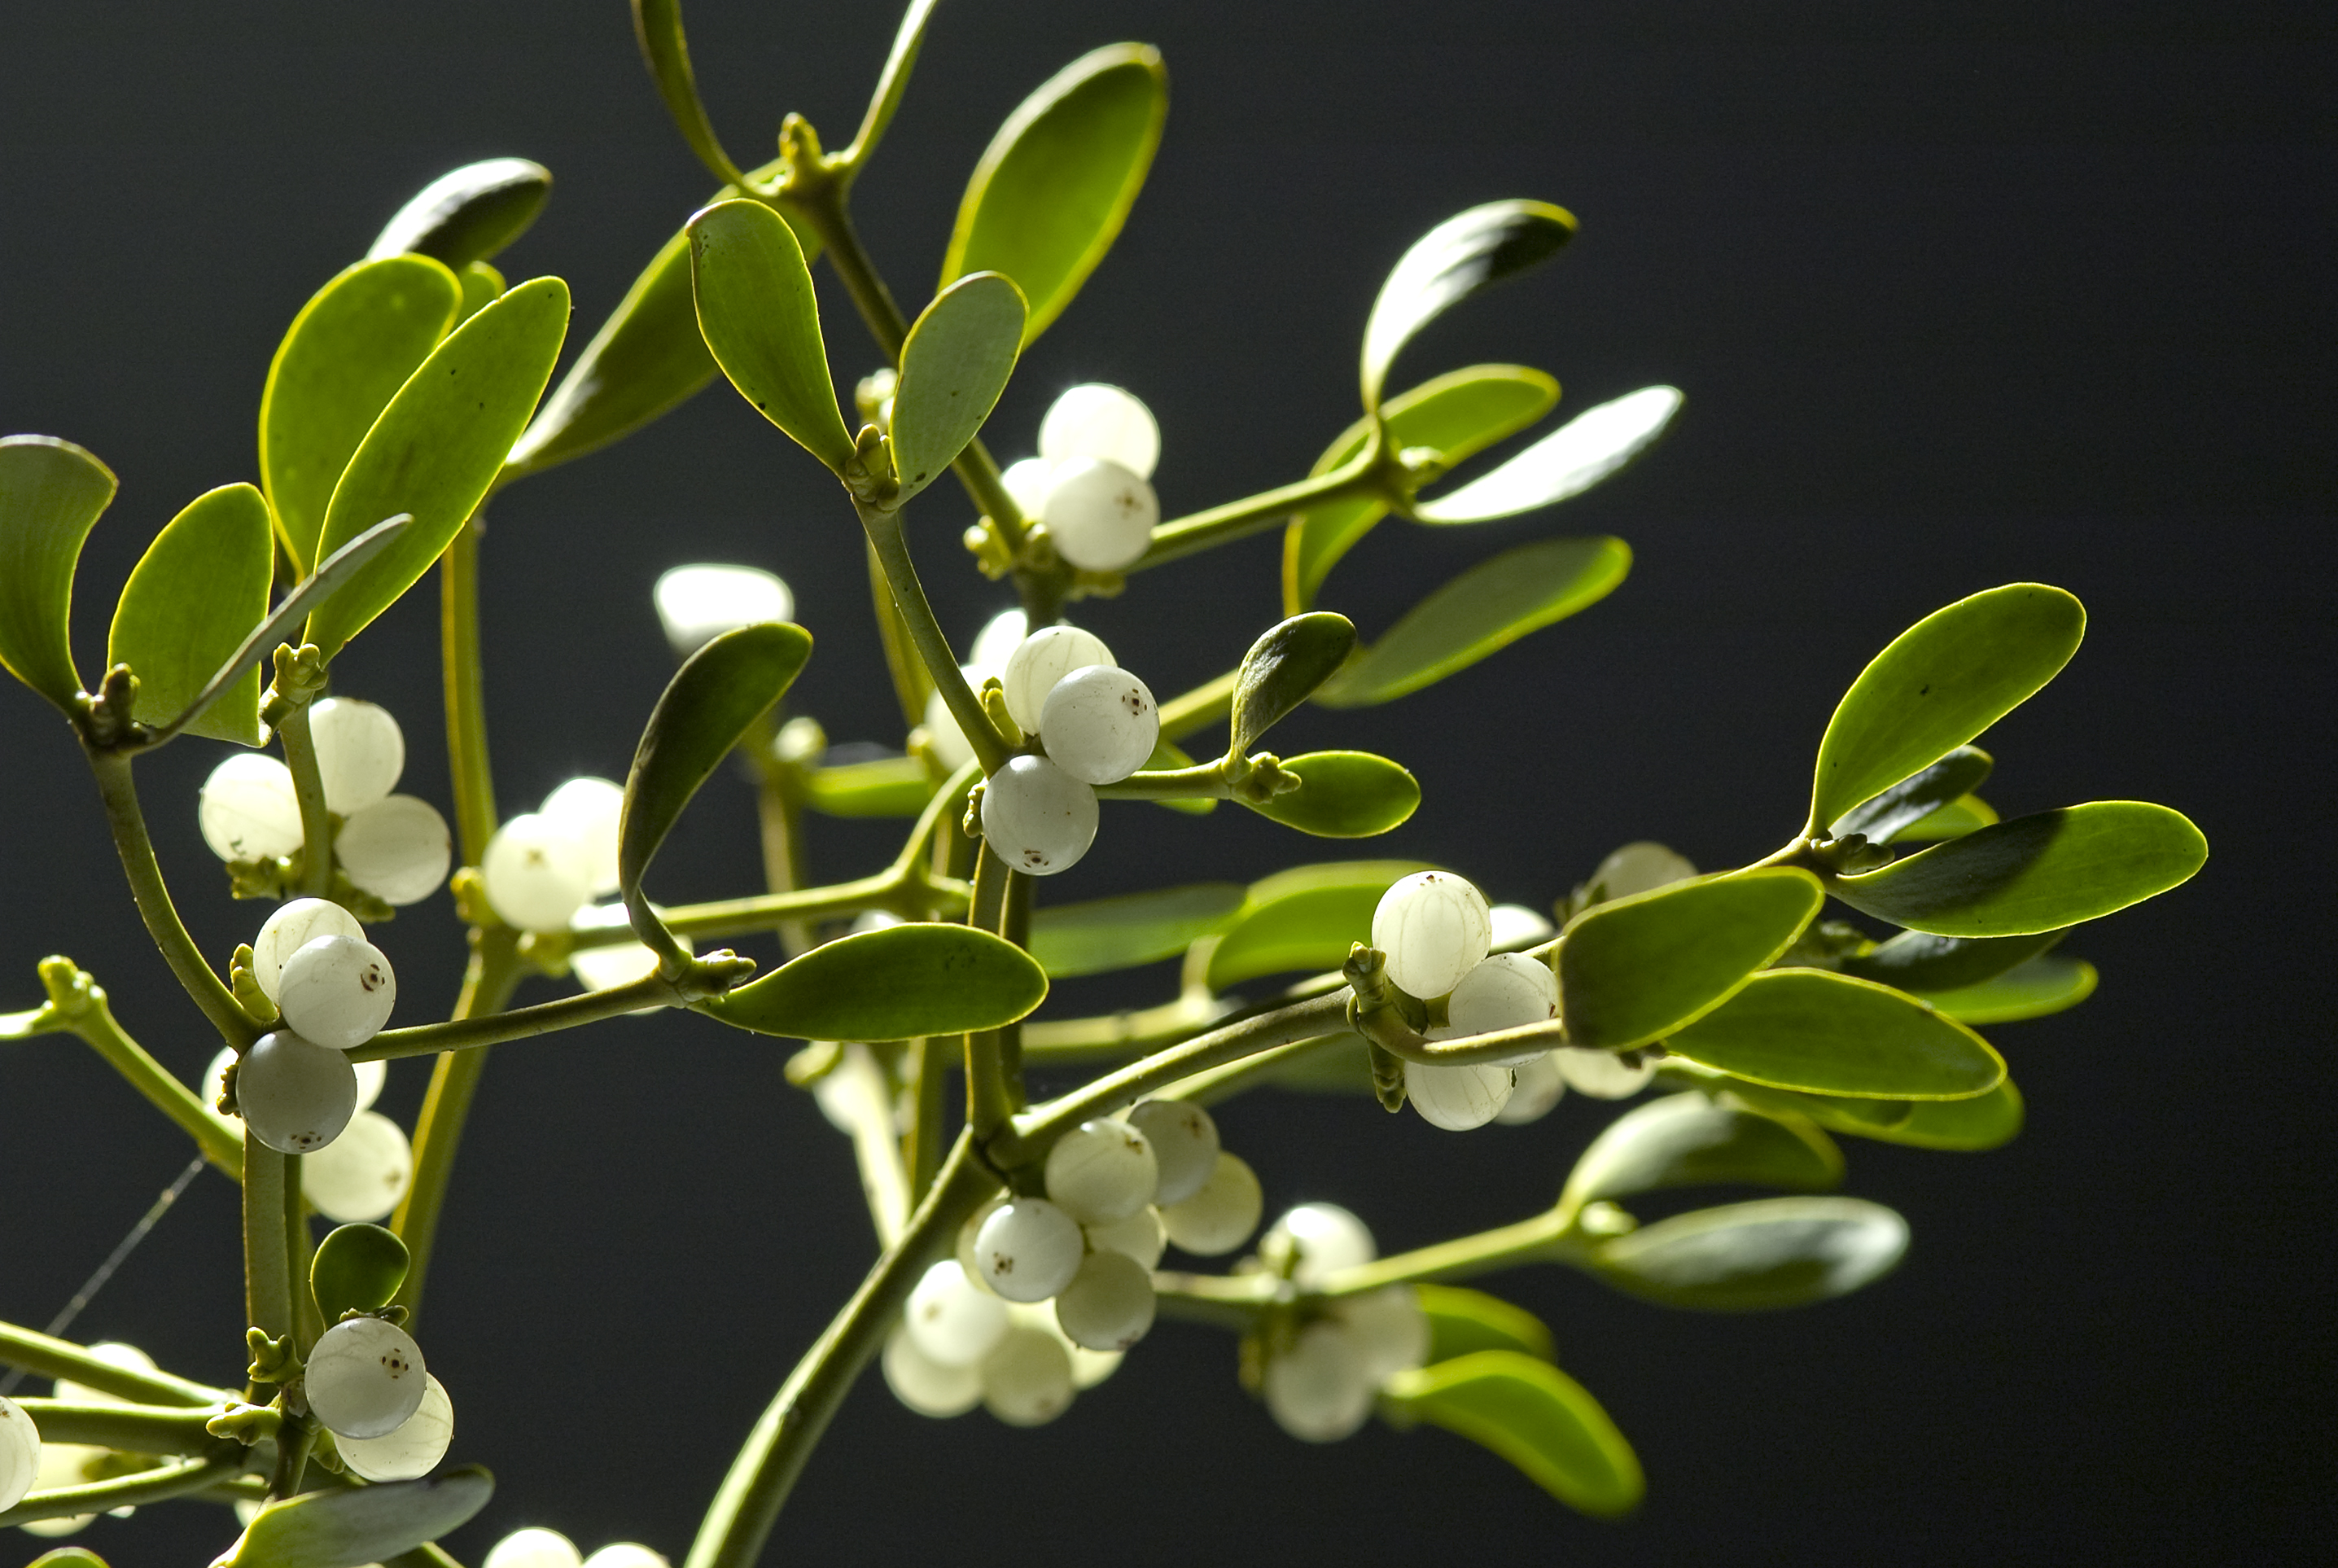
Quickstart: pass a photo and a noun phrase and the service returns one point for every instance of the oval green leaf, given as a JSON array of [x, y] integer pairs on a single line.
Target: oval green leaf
[[760, 318], [881, 787], [1109, 933], [1304, 919], [1487, 607], [898, 983], [2035, 873], [1986, 1122], [1915, 797], [1462, 1322], [1636, 969], [1055, 184], [1826, 1034], [657, 27], [1941, 682], [481, 287], [435, 449], [468, 214], [1344, 795], [1966, 814], [1455, 260], [357, 1269], [1597, 443], [348, 1528], [1691, 1139], [1755, 1257], [51, 494], [194, 595], [1532, 1414], [892, 83], [1918, 961], [2033, 990], [1282, 669], [354, 344], [954, 365], [68, 1557]]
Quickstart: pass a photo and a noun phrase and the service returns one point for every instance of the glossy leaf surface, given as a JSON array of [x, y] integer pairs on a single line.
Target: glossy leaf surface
[[954, 365], [1965, 1126], [1487, 608], [1455, 260], [1966, 814], [1940, 682], [357, 1269], [1637, 968], [468, 214], [757, 309], [196, 594], [2033, 874], [904, 981], [1826, 1034], [657, 27], [1282, 669], [1771, 1253], [1918, 961], [1344, 795], [893, 81], [349, 1527], [481, 287], [1596, 444], [2033, 990], [1306, 918], [51, 494], [883, 786], [1693, 1140], [1532, 1414], [1109, 933], [1918, 795], [1462, 1321], [1056, 185]]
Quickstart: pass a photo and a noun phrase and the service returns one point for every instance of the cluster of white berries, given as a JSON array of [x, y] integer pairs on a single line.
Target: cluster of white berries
[[366, 1384], [1119, 1190], [1091, 483], [1097, 723], [544, 866], [1321, 1385], [28, 1464], [537, 1547], [394, 847]]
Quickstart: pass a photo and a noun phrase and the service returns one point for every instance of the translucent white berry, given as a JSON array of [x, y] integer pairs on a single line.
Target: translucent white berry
[[1641, 867], [1042, 659], [1321, 1389], [626, 1554], [1097, 420], [371, 1076], [1390, 1330], [1100, 514], [414, 1449], [67, 1464], [398, 850], [1000, 635], [1458, 1096], [1184, 1145], [20, 1454], [967, 1232], [1220, 1214], [1507, 990], [1108, 1304], [1026, 1378], [364, 1378], [292, 927], [1327, 1238], [534, 1547], [1102, 1170], [953, 1321], [1027, 480], [360, 751], [247, 809], [1100, 724], [1434, 927], [611, 964], [1513, 926], [1029, 1250], [361, 1175], [1538, 1088], [951, 747], [336, 991], [924, 1383], [1039, 818], [1601, 1074], [696, 604], [295, 1096], [1140, 1235], [537, 872], [589, 808]]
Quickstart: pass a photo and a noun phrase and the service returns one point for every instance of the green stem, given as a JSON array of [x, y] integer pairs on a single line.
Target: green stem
[[267, 1262], [888, 889], [158, 1484], [308, 789], [990, 1093], [1061, 1040], [929, 1062], [1203, 781], [1233, 520], [95, 1024], [294, 1440], [1014, 925], [465, 691], [523, 1022], [299, 1253], [49, 1356], [910, 687], [133, 1428], [884, 529], [1546, 1238], [779, 819], [1222, 1083]]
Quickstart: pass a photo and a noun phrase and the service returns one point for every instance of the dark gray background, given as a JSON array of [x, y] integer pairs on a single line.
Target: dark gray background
[[1959, 295]]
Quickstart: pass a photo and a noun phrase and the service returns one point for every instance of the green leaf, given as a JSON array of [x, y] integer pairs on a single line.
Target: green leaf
[[468, 214], [353, 345], [1343, 795], [1693, 1140], [1490, 605], [435, 449], [1827, 1033], [1599, 443], [1532, 1414], [757, 309], [1755, 1256], [1109, 933], [1462, 1321], [194, 595], [357, 1269], [1282, 669], [2032, 990], [349, 1527], [481, 287], [51, 493], [1339, 1064], [882, 786], [1964, 815], [1941, 682], [1457, 415], [657, 26], [1918, 961], [1966, 1126], [892, 83], [68, 1557], [1055, 184], [896, 983], [954, 365], [1634, 968], [2035, 873], [1455, 260], [1306, 918], [1915, 797]]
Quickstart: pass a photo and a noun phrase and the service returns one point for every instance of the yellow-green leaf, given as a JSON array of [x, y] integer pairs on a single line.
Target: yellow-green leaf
[[1343, 795], [2032, 990], [1915, 798], [1826, 1034], [1634, 968], [468, 214], [51, 495], [1596, 444], [1109, 933], [902, 981], [1755, 1256], [194, 595], [882, 786], [657, 27], [1306, 918], [954, 365], [1461, 256], [1462, 1321], [760, 318], [1532, 1414]]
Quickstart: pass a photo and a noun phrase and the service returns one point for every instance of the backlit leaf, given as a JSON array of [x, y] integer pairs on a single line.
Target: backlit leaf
[[1344, 795], [1444, 266], [1463, 1321], [348, 1527], [1306, 919], [757, 309], [1532, 1414], [2032, 990], [657, 27], [357, 1269], [1693, 1140], [468, 214], [1109, 933], [904, 981], [1634, 968], [51, 494], [954, 365], [1596, 443], [1827, 1033], [882, 786], [481, 287], [892, 82], [1915, 797], [1918, 961], [1282, 669], [1753, 1256], [1966, 814], [198, 591]]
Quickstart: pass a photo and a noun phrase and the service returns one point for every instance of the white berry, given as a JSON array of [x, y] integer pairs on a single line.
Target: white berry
[[590, 809], [360, 751], [1458, 1096], [20, 1454], [1108, 1304], [1042, 659], [1097, 420], [537, 872], [1037, 817], [951, 748], [1099, 723], [1184, 1145], [371, 1076], [1601, 1074], [361, 1175], [1435, 928], [338, 991], [626, 1554], [696, 604], [397, 850], [953, 1321], [1327, 1238], [1641, 867], [414, 1449], [1507, 990], [925, 1384], [534, 1547], [1538, 1088], [1140, 1235], [1220, 1214], [1102, 1170], [611, 964], [1026, 1378], [1029, 1250], [292, 927], [1026, 481], [247, 810], [1516, 926], [1099, 514], [1321, 1389], [364, 1378], [1390, 1330], [295, 1096]]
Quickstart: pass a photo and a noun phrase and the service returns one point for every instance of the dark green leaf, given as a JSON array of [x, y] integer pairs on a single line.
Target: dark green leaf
[[357, 1269], [468, 214], [657, 25], [1915, 797], [1693, 1140], [954, 365], [1055, 185], [1306, 918], [1452, 261], [905, 981], [435, 449], [1532, 1414], [1282, 669], [883, 786], [481, 287], [1941, 682], [1344, 795], [1457, 415], [2035, 873], [1752, 1256], [756, 308], [1636, 969], [348, 1527], [1915, 960], [1807, 1029], [1966, 814], [2033, 990], [51, 493], [1487, 608], [194, 595], [1462, 1321], [1108, 933], [1599, 443], [348, 352]]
